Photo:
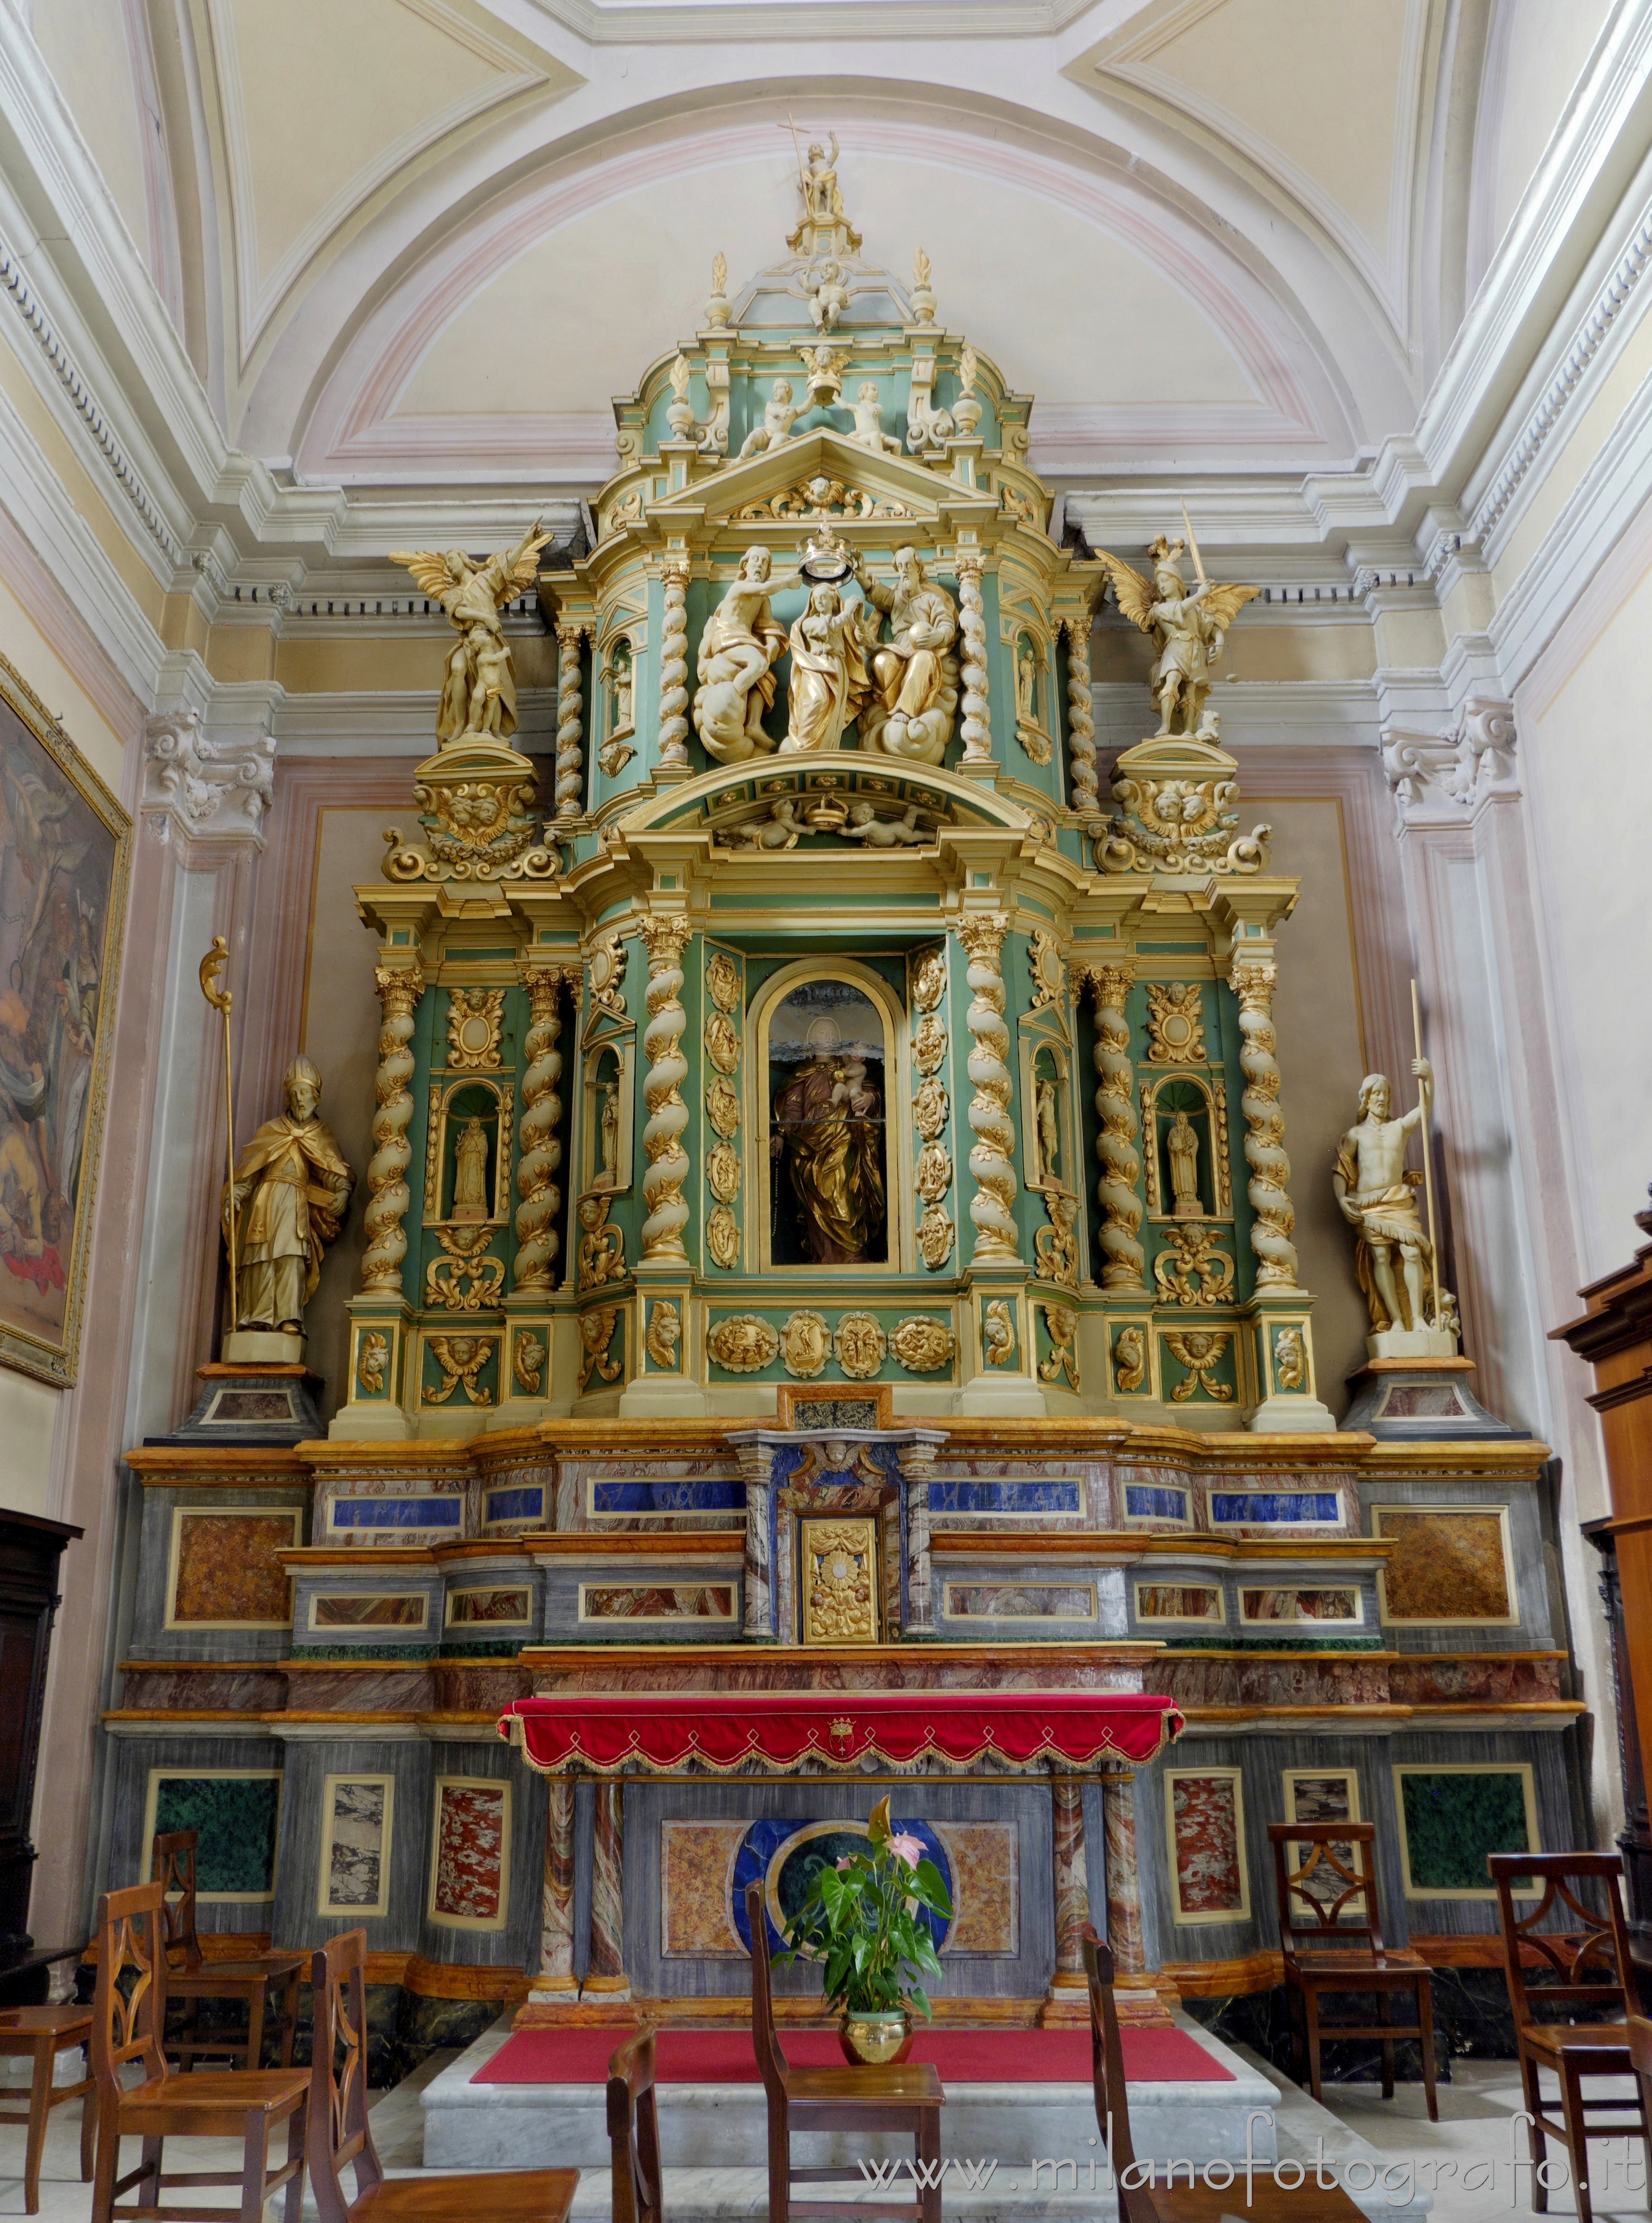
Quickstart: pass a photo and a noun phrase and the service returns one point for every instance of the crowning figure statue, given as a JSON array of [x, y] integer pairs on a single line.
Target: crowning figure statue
[[828, 672], [1188, 630], [1378, 1200], [738, 649], [479, 689], [291, 1189], [915, 672]]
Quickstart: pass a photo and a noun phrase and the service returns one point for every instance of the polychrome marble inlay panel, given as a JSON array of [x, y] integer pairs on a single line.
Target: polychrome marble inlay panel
[[467, 1608], [226, 1568], [1205, 1817], [355, 1845], [1019, 1602], [1275, 1508], [370, 1609], [986, 1888], [696, 1861], [637, 1602], [1448, 1564], [1277, 1605], [470, 1879], [235, 1813], [1452, 1817], [1178, 1602]]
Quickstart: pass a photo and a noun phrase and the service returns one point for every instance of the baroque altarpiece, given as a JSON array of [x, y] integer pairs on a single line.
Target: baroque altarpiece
[[829, 1227]]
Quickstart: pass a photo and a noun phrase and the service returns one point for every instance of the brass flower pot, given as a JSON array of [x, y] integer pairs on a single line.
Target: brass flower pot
[[875, 2041]]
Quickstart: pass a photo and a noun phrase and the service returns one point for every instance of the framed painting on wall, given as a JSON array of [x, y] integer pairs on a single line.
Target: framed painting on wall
[[65, 845]]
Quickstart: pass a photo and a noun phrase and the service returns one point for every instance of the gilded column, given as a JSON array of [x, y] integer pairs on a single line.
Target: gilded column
[[1124, 1258], [1081, 720], [537, 1239], [673, 671], [1252, 980], [606, 1976], [571, 708], [1072, 1879], [1124, 1877], [992, 1156], [400, 987], [662, 1093], [976, 731], [556, 1918]]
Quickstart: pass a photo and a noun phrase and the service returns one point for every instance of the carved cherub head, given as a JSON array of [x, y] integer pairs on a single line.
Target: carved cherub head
[[867, 392]]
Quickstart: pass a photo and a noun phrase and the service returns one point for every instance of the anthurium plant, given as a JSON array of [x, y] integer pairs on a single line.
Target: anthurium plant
[[863, 1921]]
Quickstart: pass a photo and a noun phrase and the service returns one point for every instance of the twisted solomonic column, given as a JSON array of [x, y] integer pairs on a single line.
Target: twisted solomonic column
[[992, 1156], [1081, 720], [537, 1236], [1124, 1877], [1252, 980], [1123, 1257], [400, 987], [662, 1093], [673, 671], [976, 730], [570, 714]]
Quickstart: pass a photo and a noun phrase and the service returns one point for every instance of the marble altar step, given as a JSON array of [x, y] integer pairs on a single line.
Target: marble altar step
[[722, 2127]]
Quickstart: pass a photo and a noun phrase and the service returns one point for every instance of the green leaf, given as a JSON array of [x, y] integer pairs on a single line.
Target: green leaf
[[920, 1999]]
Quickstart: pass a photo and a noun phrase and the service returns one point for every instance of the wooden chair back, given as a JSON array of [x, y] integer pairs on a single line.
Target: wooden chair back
[[1329, 1903], [771, 2062], [1106, 2056], [337, 2133], [1549, 1969], [634, 2133], [127, 2025], [172, 1864], [1638, 2031]]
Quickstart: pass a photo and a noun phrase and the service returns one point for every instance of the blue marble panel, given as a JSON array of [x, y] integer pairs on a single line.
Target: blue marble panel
[[713, 1496], [398, 1511], [787, 1459], [754, 1863], [1003, 1497], [1145, 1503], [236, 1817], [524, 1504], [1283, 1508]]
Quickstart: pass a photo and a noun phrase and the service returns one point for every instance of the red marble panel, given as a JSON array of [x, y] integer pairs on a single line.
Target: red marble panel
[[228, 1569], [1209, 1858], [470, 1831]]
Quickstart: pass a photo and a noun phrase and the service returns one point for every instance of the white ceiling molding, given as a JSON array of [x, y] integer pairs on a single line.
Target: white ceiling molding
[[402, 724], [522, 69], [615, 22], [1285, 712], [1125, 58]]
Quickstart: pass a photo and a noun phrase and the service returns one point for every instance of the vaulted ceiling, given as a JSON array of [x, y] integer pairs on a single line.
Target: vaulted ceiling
[[411, 244]]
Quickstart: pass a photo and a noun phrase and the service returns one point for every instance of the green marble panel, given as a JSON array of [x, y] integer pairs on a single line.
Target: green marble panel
[[1453, 1819], [235, 1816]]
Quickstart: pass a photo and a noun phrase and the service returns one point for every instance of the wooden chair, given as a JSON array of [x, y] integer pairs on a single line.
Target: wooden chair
[[191, 1978], [43, 2033], [1333, 1941], [900, 2100], [224, 2103], [634, 2133], [1549, 1969], [1259, 2201], [340, 2136]]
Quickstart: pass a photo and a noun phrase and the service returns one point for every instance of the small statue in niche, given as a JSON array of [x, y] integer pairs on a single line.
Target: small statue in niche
[[609, 1131], [291, 1189], [780, 412], [1181, 1147], [1049, 1125], [471, 1173], [1377, 1199], [1026, 683]]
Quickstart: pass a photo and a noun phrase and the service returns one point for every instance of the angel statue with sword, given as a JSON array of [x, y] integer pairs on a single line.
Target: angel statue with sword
[[1188, 630], [479, 689]]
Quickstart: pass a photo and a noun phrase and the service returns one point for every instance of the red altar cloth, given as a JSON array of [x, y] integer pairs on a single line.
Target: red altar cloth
[[661, 1732]]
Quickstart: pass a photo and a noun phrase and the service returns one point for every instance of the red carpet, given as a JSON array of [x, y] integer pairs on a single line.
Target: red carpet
[[962, 2057]]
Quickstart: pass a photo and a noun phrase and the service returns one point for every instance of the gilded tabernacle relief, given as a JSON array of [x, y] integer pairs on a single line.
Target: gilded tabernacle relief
[[829, 1191], [63, 873]]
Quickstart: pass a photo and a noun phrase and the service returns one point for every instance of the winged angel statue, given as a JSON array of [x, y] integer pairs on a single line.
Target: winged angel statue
[[1188, 630], [479, 690]]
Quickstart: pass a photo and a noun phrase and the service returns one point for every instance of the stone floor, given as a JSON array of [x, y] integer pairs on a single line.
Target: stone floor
[[1477, 2133]]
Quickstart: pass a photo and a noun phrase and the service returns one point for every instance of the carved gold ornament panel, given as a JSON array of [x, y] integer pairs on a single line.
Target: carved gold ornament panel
[[742, 1343], [476, 1019], [602, 1248], [929, 979], [934, 1176], [596, 1335], [931, 1109], [1193, 1271], [461, 1359], [722, 1173], [922, 1346], [722, 1041], [723, 981], [840, 1588], [928, 1043], [806, 1345], [998, 1331], [1130, 1359], [1176, 1025], [1049, 969], [723, 1107], [1063, 1324], [860, 1344], [605, 973], [723, 1237], [371, 1359], [465, 1280], [664, 1341], [935, 1233], [528, 1362], [1200, 1353]]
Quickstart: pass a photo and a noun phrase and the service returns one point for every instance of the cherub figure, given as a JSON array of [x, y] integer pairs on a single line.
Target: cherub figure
[[829, 298], [779, 414], [865, 825], [821, 198], [779, 830], [868, 422], [1188, 629], [473, 596]]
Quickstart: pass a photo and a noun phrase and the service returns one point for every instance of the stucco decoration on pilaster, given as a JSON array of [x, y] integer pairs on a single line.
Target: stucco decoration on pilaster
[[1442, 780], [203, 791]]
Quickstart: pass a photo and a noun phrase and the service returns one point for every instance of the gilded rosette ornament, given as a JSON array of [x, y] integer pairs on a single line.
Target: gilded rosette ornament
[[742, 1343], [400, 988], [665, 939], [992, 1158]]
